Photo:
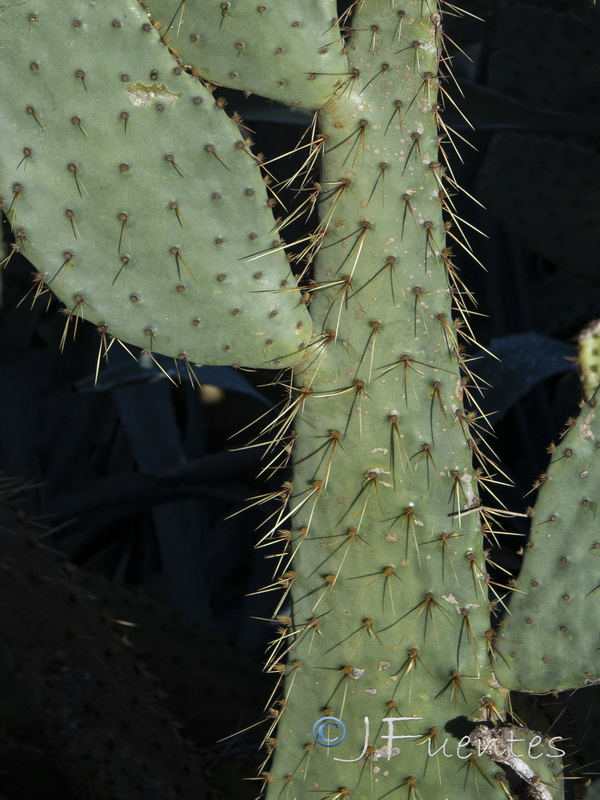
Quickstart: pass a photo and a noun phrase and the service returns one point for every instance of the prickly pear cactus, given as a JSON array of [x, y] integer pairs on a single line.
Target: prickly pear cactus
[[386, 660], [134, 194]]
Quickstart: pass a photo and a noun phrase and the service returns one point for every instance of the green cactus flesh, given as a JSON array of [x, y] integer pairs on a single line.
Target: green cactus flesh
[[588, 358], [550, 639], [133, 193], [389, 632], [288, 51]]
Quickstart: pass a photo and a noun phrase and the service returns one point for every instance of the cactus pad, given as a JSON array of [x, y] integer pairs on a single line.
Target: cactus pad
[[550, 639], [288, 51], [134, 194]]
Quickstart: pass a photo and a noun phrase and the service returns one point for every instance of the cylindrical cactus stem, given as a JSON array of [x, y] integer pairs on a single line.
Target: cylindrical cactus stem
[[387, 650]]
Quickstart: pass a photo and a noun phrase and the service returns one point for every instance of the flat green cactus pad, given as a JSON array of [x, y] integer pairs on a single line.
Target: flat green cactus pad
[[288, 51], [134, 194], [551, 638]]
